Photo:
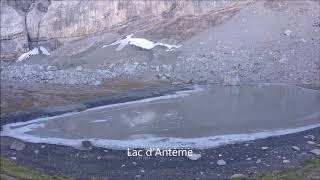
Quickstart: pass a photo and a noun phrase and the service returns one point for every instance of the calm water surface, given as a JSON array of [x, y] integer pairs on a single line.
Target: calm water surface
[[215, 110]]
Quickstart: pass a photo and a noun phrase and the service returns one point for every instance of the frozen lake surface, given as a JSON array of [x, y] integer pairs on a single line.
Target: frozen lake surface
[[207, 116]]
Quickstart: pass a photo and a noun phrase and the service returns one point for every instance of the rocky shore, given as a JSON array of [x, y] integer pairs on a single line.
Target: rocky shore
[[247, 159]]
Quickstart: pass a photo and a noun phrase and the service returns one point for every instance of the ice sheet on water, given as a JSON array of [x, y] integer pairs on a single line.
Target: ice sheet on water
[[151, 141]]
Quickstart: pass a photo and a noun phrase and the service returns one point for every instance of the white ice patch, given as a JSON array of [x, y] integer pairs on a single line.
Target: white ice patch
[[98, 121], [28, 54], [150, 141], [143, 43], [33, 52], [140, 42], [44, 51], [122, 43], [170, 47], [141, 118]]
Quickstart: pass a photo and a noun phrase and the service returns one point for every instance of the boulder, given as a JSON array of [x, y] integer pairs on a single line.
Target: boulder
[[285, 161], [194, 156], [296, 148], [221, 162], [238, 176], [17, 145], [86, 144], [79, 68], [287, 32], [316, 152], [97, 83], [258, 161]]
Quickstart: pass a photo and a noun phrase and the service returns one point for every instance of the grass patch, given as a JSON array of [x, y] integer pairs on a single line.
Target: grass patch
[[10, 168], [310, 168]]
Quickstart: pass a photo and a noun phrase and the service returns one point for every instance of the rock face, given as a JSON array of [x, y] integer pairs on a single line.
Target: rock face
[[14, 38], [25, 23]]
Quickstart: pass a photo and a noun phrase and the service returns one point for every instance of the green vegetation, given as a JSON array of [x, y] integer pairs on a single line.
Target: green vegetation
[[310, 169], [11, 169]]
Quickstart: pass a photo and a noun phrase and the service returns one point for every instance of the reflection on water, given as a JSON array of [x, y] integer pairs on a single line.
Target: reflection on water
[[217, 110]]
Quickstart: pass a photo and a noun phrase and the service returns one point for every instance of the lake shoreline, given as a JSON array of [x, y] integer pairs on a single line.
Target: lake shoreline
[[249, 158]]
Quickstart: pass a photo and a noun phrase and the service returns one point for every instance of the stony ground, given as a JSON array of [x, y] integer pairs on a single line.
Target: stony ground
[[250, 159]]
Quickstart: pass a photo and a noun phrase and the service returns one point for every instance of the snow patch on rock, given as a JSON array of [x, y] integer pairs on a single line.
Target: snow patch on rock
[[28, 54], [44, 51], [35, 51], [143, 43], [140, 42]]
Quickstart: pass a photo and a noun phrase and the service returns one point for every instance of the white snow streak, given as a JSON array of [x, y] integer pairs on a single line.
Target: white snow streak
[[35, 51], [140, 42], [28, 54], [44, 51]]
